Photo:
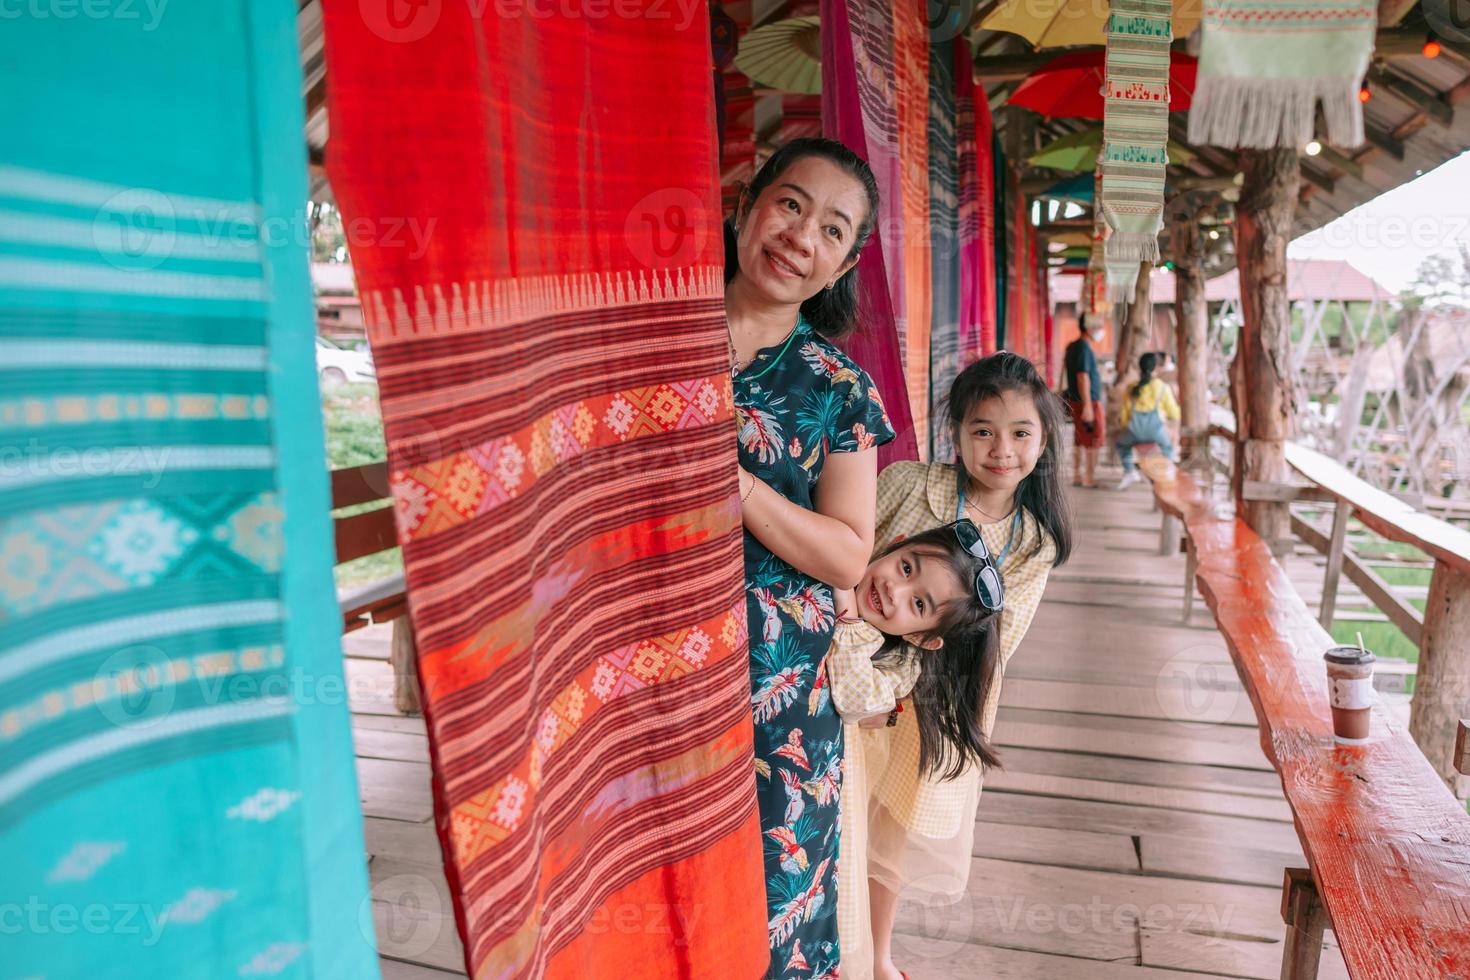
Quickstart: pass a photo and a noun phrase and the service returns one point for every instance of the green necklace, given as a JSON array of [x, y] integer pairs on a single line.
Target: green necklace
[[775, 360]]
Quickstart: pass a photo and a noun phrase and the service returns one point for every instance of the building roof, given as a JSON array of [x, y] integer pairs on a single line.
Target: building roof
[[1307, 279], [333, 277]]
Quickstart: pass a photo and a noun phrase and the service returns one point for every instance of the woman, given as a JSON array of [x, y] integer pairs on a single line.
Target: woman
[[810, 421]]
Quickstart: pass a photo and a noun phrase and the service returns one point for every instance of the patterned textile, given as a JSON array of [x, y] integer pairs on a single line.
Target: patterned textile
[[857, 108], [947, 274], [176, 766], [911, 95], [737, 114], [1004, 230], [553, 370], [797, 403], [921, 827], [1135, 128], [977, 213], [1264, 64]]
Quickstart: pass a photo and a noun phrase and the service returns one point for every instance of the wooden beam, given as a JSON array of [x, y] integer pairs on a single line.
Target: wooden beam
[[1390, 12], [1412, 94], [1004, 67], [1191, 339], [1345, 164], [1382, 141], [1306, 920], [316, 97], [1313, 176]]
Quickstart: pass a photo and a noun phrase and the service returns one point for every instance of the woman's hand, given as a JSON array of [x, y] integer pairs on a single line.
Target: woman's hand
[[844, 605]]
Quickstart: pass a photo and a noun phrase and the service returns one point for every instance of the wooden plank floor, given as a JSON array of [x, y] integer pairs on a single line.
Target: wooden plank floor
[[1136, 833]]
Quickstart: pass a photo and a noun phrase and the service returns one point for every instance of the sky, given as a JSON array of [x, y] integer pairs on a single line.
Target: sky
[[1389, 236]]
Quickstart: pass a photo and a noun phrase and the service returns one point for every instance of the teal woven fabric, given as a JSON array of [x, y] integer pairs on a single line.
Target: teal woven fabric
[[177, 795], [1135, 128], [1265, 64]]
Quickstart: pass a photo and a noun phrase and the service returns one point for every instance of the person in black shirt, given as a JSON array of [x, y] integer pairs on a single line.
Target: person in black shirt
[[1084, 399]]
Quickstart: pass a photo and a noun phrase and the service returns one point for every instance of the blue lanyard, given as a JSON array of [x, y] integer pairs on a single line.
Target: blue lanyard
[[1015, 525]]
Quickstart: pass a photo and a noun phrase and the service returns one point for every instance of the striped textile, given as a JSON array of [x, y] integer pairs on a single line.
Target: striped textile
[[947, 274], [176, 771], [1265, 64], [555, 382], [911, 99], [1135, 128], [976, 247], [858, 109]]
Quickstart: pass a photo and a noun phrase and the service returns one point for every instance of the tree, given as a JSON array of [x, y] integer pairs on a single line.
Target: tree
[[1441, 280]]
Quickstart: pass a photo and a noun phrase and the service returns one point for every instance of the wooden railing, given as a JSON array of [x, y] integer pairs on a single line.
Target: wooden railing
[[368, 533], [1385, 840], [1442, 632]]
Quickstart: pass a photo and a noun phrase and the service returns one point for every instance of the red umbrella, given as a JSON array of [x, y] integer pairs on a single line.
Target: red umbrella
[[1071, 85]]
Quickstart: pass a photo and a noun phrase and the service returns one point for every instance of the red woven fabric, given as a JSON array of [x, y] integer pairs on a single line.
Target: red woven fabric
[[911, 98], [554, 375]]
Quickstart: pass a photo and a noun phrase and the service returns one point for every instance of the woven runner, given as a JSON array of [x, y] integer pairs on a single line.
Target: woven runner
[[976, 215], [1135, 128], [946, 272], [555, 381], [858, 109], [911, 94], [1265, 64], [177, 793]]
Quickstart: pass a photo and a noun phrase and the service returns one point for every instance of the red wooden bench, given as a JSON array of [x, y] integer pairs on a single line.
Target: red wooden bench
[[379, 602], [1388, 844]]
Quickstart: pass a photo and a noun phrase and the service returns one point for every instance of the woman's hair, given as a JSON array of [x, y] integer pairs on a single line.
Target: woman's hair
[[831, 312], [1146, 365], [953, 679], [1041, 491]]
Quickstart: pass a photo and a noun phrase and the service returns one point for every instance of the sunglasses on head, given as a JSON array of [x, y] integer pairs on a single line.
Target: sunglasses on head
[[987, 580]]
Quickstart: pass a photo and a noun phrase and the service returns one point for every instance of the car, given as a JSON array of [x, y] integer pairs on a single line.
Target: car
[[337, 365]]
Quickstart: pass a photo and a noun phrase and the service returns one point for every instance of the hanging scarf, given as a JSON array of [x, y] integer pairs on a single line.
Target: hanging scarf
[[175, 752], [1135, 128], [555, 381], [858, 110], [911, 91], [978, 263], [944, 228], [1264, 64]]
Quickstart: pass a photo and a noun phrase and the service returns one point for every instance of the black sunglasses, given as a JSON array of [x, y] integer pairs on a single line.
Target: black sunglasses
[[987, 581]]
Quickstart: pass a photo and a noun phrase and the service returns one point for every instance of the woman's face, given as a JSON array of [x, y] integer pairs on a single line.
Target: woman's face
[[797, 235], [1001, 440], [902, 592]]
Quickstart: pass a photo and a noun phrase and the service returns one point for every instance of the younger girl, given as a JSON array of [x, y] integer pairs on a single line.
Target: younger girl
[[921, 623], [1006, 425], [1148, 404]]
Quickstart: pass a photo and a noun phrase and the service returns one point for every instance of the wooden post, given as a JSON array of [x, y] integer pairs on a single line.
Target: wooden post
[[1340, 516], [1133, 337], [1462, 748], [1260, 383], [1442, 683], [1191, 568], [1305, 918], [405, 670], [1191, 336]]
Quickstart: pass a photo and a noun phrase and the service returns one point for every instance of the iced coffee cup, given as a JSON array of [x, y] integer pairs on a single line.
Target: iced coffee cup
[[1350, 687]]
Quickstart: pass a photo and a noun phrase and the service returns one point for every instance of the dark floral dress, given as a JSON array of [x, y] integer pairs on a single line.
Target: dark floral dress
[[795, 403]]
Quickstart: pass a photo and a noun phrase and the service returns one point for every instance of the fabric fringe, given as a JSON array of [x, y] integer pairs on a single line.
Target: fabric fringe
[[1132, 246], [1265, 112], [1121, 292]]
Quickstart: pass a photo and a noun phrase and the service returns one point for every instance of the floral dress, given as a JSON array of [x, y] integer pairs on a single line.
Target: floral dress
[[795, 403]]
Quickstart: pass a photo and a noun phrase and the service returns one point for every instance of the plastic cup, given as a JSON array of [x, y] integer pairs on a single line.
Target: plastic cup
[[1350, 687]]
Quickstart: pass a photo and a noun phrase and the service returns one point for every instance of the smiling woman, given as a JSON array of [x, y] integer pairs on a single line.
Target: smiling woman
[[810, 421]]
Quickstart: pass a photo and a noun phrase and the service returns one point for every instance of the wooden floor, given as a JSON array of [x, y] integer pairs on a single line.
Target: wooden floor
[[1136, 833]]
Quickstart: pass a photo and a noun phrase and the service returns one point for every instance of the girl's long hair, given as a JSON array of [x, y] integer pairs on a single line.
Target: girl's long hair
[[831, 312], [1041, 491], [953, 680], [1146, 365]]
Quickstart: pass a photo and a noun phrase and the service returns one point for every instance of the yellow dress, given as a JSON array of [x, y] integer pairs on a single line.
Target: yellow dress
[[859, 689], [921, 828]]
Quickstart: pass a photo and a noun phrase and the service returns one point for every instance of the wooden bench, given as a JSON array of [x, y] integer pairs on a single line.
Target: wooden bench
[[1388, 844], [369, 533]]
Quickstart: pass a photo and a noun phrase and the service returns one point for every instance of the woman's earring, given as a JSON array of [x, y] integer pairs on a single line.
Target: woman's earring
[[832, 283]]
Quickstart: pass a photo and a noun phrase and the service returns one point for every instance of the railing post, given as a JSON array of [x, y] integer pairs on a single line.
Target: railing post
[[1342, 513], [405, 671], [1442, 681], [1305, 918]]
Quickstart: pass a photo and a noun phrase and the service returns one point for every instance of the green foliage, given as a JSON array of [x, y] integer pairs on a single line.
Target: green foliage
[[354, 429]]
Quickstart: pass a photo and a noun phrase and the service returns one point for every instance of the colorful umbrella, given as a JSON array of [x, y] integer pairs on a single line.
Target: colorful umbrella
[[1077, 152], [1071, 85], [1079, 188], [1065, 23], [785, 55]]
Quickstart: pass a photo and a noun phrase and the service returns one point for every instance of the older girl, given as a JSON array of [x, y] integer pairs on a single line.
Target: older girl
[[810, 421], [1006, 426]]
